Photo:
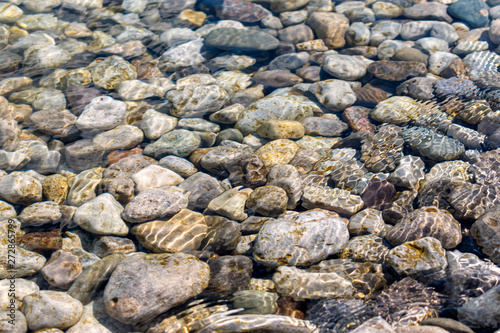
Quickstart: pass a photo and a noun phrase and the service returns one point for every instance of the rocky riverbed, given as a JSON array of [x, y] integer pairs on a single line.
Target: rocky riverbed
[[249, 166]]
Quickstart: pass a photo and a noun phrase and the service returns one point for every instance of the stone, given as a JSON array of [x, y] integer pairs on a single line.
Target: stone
[[410, 54], [196, 100], [296, 34], [323, 126], [39, 58], [430, 45], [396, 70], [340, 201], [241, 11], [62, 269], [185, 55], [366, 248], [222, 236], [414, 30], [10, 161], [288, 178], [386, 10], [120, 137], [10, 12], [289, 61], [110, 72], [83, 187], [154, 176], [335, 95], [330, 27], [6, 211], [14, 84], [268, 200], [60, 124], [277, 78], [230, 204], [229, 274], [357, 118], [277, 152], [132, 90], [421, 259], [243, 39], [249, 322], [287, 6], [281, 129], [51, 309], [203, 188], [91, 217], [428, 11], [178, 165], [155, 203], [302, 285], [109, 245], [481, 312], [433, 145], [474, 12], [95, 276], [345, 67], [228, 115], [256, 301], [177, 142], [247, 170], [384, 30], [358, 34], [184, 231], [103, 113], [9, 135], [184, 277], [485, 232], [367, 221], [40, 213], [20, 188]]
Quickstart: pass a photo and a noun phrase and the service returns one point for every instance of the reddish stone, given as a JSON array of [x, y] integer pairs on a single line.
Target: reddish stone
[[241, 11], [357, 119], [117, 155], [42, 242], [288, 307], [378, 194]]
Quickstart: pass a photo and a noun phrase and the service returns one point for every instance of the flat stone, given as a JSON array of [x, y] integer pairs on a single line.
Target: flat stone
[[62, 269], [196, 100], [345, 67], [481, 312], [277, 152], [155, 176], [396, 70], [340, 201], [184, 277], [474, 12], [281, 129], [336, 95], [40, 213], [110, 245], [277, 78], [243, 39], [103, 113]]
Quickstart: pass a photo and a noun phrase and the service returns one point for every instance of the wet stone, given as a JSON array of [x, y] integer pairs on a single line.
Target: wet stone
[[232, 38], [367, 248], [481, 311], [367, 221], [62, 269], [396, 70], [268, 200], [122, 189], [155, 203], [289, 240], [255, 301], [222, 236], [184, 231], [103, 113], [155, 176], [230, 204], [336, 95], [20, 188], [83, 187], [109, 245], [177, 142], [109, 73], [277, 78], [196, 100], [378, 193], [288, 178], [247, 170], [40, 213], [184, 276], [330, 27], [485, 233], [229, 274]]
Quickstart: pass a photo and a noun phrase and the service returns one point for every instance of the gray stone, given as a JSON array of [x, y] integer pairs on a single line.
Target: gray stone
[[185, 55], [38, 22], [336, 95], [177, 277], [358, 34], [203, 188], [82, 155], [300, 240], [62, 269], [277, 78], [120, 137], [40, 213], [367, 221], [288, 178], [289, 61], [409, 173], [177, 142], [154, 124], [431, 45], [51, 309], [132, 90], [296, 34], [110, 72], [20, 188], [177, 36], [242, 39], [103, 113], [292, 18], [10, 13], [21, 326], [444, 31], [428, 11], [414, 30], [384, 30], [110, 245], [330, 27], [268, 201], [155, 176], [439, 61], [178, 165], [41, 58], [196, 100], [198, 124], [230, 204], [481, 312], [10, 161], [345, 67], [155, 203], [10, 132], [90, 216]]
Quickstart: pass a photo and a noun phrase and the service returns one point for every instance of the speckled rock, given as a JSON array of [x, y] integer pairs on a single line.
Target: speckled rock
[[421, 259], [381, 152], [367, 248], [184, 276], [243, 39], [62, 269], [228, 115], [301, 284], [184, 231], [277, 78], [281, 129], [428, 11], [90, 216], [203, 188], [196, 100], [120, 137], [27, 262], [229, 274], [288, 178], [277, 152], [247, 170], [82, 155], [340, 201], [218, 158], [154, 176], [110, 72], [276, 107], [10, 12], [323, 126], [384, 30], [20, 188], [51, 309], [394, 110], [177, 142], [178, 165], [367, 221], [109, 245], [6, 211], [433, 145], [268, 200], [222, 236], [335, 95], [301, 239], [40, 58]]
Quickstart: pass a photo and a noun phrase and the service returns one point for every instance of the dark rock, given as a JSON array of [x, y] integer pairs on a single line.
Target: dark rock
[[396, 70], [229, 274], [296, 34], [474, 12], [378, 193]]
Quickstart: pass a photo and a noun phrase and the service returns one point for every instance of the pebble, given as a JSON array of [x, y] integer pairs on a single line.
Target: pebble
[[336, 95], [109, 73], [428, 11], [102, 113], [268, 201], [40, 213], [330, 27], [62, 269], [229, 274], [345, 67], [277, 78], [83, 187], [384, 30], [481, 311], [485, 232], [180, 143], [20, 188], [300, 240], [51, 309], [396, 70], [474, 12], [243, 39], [184, 277], [203, 188], [90, 216]]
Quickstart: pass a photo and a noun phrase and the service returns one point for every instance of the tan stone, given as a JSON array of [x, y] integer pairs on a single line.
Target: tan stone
[[276, 152], [281, 129]]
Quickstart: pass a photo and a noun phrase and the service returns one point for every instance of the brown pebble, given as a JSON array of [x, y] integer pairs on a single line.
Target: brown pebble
[[44, 242]]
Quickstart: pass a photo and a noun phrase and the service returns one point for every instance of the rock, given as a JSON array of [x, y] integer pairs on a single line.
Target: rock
[[243, 39], [474, 12], [183, 274], [289, 61], [410, 54], [428, 11], [10, 13], [276, 78], [91, 217], [330, 27], [431, 45], [301, 285], [154, 176], [277, 152], [433, 145], [287, 6], [10, 161], [275, 107], [358, 34], [60, 124], [268, 201], [386, 10], [155, 203], [396, 70], [284, 241], [288, 178], [83, 187], [296, 34], [196, 100], [40, 213], [256, 301], [444, 31], [384, 30], [247, 170], [378, 193], [190, 18], [120, 137], [178, 165], [414, 30], [184, 231], [229, 274], [132, 90], [241, 11], [323, 126], [222, 236], [409, 173], [82, 155], [177, 142], [340, 201], [494, 32], [20, 188], [336, 95], [369, 248], [367, 221], [422, 259], [6, 211], [281, 129], [40, 58], [345, 67], [185, 55], [481, 312], [228, 115], [51, 309], [14, 84], [110, 72], [249, 322], [485, 232], [109, 245], [62, 269], [230, 204], [357, 118], [203, 188], [448, 324], [103, 113]]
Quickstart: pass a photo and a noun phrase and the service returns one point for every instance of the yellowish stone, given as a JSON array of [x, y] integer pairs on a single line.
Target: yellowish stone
[[55, 188], [193, 18], [281, 129], [277, 152]]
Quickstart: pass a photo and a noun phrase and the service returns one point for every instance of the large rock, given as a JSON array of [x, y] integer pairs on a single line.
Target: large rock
[[160, 282], [300, 240]]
